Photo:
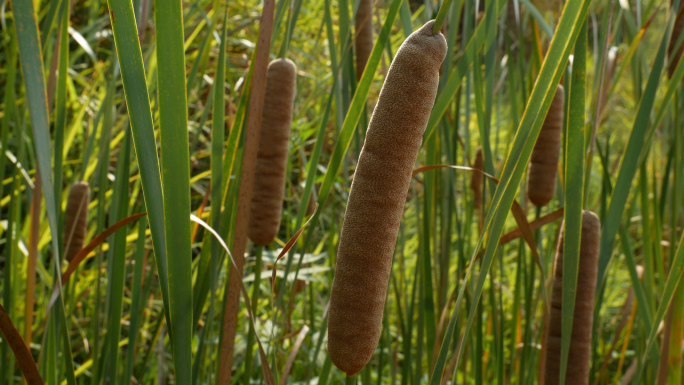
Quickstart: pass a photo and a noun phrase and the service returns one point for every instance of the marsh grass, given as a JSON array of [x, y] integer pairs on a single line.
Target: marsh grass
[[153, 105]]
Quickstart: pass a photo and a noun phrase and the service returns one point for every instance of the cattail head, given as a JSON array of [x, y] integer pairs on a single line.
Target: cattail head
[[311, 206], [364, 35], [269, 175], [377, 197], [579, 359], [76, 219], [476, 178], [543, 169]]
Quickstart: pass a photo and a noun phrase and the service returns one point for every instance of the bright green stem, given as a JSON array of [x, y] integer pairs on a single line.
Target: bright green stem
[[255, 302], [441, 16], [350, 380]]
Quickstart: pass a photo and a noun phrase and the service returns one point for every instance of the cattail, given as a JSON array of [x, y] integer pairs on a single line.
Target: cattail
[[476, 178], [675, 48], [541, 176], [76, 219], [364, 35], [377, 197], [580, 345], [269, 175], [511, 19], [311, 206]]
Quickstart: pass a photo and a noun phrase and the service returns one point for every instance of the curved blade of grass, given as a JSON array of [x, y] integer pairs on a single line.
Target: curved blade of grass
[[293, 354], [137, 299], [266, 370], [117, 263], [60, 113], [175, 162], [552, 69], [142, 128], [94, 243], [32, 67], [673, 279], [664, 104], [21, 351], [462, 67], [534, 225], [630, 159], [574, 198], [524, 227]]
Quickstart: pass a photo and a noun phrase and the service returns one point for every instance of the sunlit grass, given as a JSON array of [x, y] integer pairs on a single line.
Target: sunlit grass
[[116, 96]]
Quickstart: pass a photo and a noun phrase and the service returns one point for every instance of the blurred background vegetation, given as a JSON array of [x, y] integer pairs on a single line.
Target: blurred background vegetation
[[90, 92]]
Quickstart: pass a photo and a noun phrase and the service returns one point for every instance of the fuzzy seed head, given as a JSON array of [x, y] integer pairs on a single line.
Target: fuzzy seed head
[[543, 169], [76, 219], [476, 178], [364, 35], [580, 346], [377, 198], [269, 175]]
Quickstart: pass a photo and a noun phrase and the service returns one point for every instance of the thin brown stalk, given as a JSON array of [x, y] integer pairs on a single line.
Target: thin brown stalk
[[256, 103]]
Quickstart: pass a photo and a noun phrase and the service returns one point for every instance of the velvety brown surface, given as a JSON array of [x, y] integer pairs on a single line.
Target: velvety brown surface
[[476, 178], [377, 198], [364, 35], [75, 219], [543, 169], [310, 206], [677, 30], [269, 175], [580, 346]]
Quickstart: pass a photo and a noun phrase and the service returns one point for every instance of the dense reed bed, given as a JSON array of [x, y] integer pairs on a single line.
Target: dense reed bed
[[127, 130]]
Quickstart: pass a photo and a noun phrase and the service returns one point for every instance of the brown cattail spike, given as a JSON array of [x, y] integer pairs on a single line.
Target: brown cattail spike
[[364, 35], [676, 48], [311, 206], [477, 178], [269, 175], [377, 198], [580, 345], [541, 176], [76, 219]]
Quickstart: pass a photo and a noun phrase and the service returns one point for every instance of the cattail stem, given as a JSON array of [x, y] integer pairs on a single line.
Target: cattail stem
[[441, 16], [255, 301], [350, 380]]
